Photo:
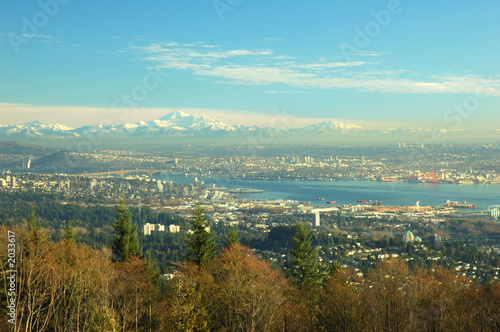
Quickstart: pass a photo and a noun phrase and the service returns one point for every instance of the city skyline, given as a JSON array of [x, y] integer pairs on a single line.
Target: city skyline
[[382, 64]]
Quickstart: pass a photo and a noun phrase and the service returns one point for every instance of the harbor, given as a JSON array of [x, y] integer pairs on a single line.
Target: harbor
[[345, 192]]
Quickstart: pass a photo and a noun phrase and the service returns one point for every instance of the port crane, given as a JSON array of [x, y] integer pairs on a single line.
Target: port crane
[[433, 177]]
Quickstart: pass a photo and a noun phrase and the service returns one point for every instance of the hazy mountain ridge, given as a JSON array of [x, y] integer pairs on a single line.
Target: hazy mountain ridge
[[23, 149], [174, 123], [36, 129], [330, 126], [182, 125]]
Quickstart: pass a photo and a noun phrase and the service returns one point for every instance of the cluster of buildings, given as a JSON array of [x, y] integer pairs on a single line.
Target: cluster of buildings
[[150, 228], [8, 180], [456, 164], [139, 190]]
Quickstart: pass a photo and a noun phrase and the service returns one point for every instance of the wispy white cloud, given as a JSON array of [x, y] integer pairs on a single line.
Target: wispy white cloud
[[258, 75], [265, 67], [371, 53], [207, 46], [284, 91], [326, 65], [55, 42], [45, 39], [273, 39]]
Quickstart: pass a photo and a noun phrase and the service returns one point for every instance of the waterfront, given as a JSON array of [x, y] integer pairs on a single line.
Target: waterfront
[[348, 192]]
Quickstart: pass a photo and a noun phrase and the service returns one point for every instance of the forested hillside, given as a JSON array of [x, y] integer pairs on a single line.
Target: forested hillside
[[65, 286]]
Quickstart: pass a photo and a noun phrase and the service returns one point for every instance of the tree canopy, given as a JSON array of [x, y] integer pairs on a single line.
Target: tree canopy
[[304, 265], [125, 242], [200, 243]]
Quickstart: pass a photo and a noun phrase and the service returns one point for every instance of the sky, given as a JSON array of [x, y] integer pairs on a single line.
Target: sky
[[395, 63]]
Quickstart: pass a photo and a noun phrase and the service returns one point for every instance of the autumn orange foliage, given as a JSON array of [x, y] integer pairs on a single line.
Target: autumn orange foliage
[[63, 286]]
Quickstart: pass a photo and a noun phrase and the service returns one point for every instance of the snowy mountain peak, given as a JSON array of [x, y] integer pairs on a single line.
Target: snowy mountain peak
[[37, 125], [339, 125], [331, 125], [36, 129], [174, 124], [174, 115]]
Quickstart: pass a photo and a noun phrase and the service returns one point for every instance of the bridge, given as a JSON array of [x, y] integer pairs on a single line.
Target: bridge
[[493, 207], [494, 210], [122, 172]]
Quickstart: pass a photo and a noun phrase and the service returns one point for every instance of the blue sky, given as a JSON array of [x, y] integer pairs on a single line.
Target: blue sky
[[376, 63]]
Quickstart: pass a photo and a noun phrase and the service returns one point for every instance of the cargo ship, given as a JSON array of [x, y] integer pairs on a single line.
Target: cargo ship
[[331, 202], [366, 201], [388, 179], [463, 205], [422, 178], [462, 181], [433, 178], [245, 191], [416, 178]]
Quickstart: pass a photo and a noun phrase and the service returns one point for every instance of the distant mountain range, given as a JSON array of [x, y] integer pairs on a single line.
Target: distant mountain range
[[173, 124], [180, 125]]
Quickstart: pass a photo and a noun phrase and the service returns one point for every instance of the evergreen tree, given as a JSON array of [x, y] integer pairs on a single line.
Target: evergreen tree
[[200, 243], [38, 235], [303, 265], [233, 238], [125, 243], [69, 234], [32, 221]]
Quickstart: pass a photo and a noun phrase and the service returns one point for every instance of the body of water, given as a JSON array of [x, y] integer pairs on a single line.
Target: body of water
[[348, 192]]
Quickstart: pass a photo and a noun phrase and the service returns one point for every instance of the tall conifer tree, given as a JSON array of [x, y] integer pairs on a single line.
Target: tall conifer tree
[[233, 238], [69, 234], [125, 243], [200, 243], [303, 265]]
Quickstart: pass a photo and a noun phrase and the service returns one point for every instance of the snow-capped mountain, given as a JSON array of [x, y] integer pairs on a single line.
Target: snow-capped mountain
[[36, 129], [182, 127], [177, 122], [181, 121], [330, 126], [174, 124]]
